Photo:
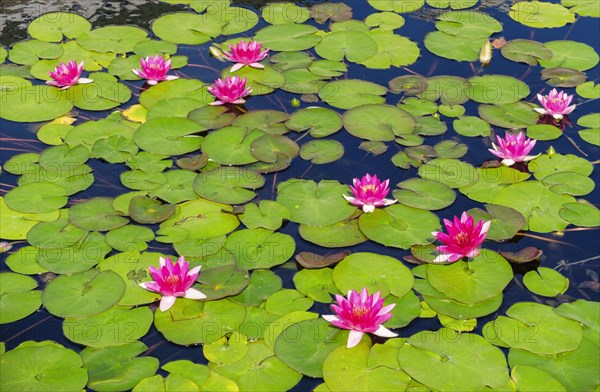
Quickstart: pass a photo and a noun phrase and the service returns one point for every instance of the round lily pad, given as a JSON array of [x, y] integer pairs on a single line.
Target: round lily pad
[[349, 93], [187, 28], [373, 271], [228, 184], [320, 122], [231, 145], [288, 37], [569, 183], [546, 282], [168, 136], [580, 214], [40, 103], [286, 301], [38, 198], [30, 51], [529, 378], [56, 234], [61, 368], [271, 148], [260, 248], [51, 27], [117, 39], [267, 214], [178, 187], [316, 284], [534, 327], [83, 294], [399, 226], [305, 345], [570, 54], [227, 350], [445, 359], [323, 199], [453, 47], [526, 51], [378, 122], [355, 46], [113, 327], [563, 77], [220, 282], [496, 89], [143, 209], [424, 194], [451, 172], [260, 81], [541, 15], [322, 151], [96, 214], [14, 225], [282, 13], [543, 132], [263, 283], [81, 256], [483, 278], [335, 235], [129, 237], [17, 299], [506, 221], [450, 90], [190, 322]]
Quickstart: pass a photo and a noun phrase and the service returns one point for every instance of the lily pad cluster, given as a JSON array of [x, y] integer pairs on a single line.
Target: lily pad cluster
[[201, 181]]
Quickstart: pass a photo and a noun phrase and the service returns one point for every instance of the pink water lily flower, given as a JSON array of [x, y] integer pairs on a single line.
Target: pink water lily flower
[[230, 90], [67, 75], [369, 193], [154, 69], [172, 281], [513, 148], [463, 239], [246, 53], [555, 104], [361, 313]]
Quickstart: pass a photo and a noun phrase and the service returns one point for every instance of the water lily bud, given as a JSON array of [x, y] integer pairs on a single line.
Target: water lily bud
[[295, 102], [217, 53], [5, 246], [485, 55], [551, 151]]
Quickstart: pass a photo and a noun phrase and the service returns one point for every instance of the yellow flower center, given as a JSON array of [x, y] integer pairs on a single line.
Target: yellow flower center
[[173, 280], [360, 311], [369, 187]]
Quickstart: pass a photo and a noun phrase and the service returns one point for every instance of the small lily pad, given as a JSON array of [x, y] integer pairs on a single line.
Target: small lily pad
[[267, 214], [424, 194], [17, 299], [96, 214], [546, 282], [349, 93], [322, 151], [229, 185], [221, 282], [316, 284], [378, 122], [53, 26], [335, 235], [260, 248], [541, 15]]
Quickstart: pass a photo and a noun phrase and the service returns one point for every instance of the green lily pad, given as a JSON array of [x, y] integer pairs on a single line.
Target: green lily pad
[[483, 278], [335, 235], [319, 122], [271, 148], [168, 136], [117, 368], [51, 27], [569, 183], [529, 378], [61, 368], [268, 121], [30, 51], [17, 299], [577, 370], [23, 261], [375, 148], [373, 271], [117, 39], [113, 327], [570, 54], [282, 13], [588, 90], [445, 359], [377, 122], [187, 28], [506, 221], [391, 227], [563, 77], [533, 327], [105, 93], [226, 350], [316, 284], [231, 145], [286, 301], [305, 345], [385, 20], [546, 282], [78, 257], [460, 310], [129, 237], [580, 214], [228, 184], [586, 312], [582, 7], [260, 248], [260, 81], [288, 37], [349, 93], [450, 90], [96, 214], [56, 234], [114, 149], [496, 89], [178, 187], [37, 198], [267, 214], [175, 107], [355, 46], [468, 24], [453, 47], [41, 103], [526, 51], [399, 6], [179, 88], [491, 181], [259, 369], [543, 132], [143, 209], [541, 15], [322, 151], [190, 322], [15, 225], [424, 194], [220, 282], [323, 199], [83, 294], [263, 283], [418, 107], [451, 172], [509, 115]]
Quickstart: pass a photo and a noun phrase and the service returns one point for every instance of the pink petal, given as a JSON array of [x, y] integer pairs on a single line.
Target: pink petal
[[167, 302], [384, 332], [194, 294], [354, 338]]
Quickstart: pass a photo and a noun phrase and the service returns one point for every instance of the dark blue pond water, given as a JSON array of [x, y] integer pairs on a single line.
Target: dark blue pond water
[[568, 247]]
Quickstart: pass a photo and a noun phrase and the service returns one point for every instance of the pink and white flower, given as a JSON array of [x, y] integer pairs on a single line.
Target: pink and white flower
[[172, 281], [463, 239], [369, 192], [67, 75], [230, 90], [513, 148], [154, 69], [246, 53], [555, 104], [361, 313]]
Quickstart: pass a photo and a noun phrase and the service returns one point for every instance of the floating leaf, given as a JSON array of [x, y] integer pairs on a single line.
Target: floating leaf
[[409, 84], [319, 122], [526, 51], [267, 214], [496, 89], [506, 221], [187, 28], [96, 214], [313, 260], [336, 235], [288, 37], [36, 198], [229, 185], [30, 51], [453, 47], [570, 54], [580, 214], [546, 281], [392, 50], [450, 90], [563, 77], [263, 283], [529, 378], [220, 282], [424, 194], [260, 248], [378, 122], [399, 6], [271, 148], [509, 115], [41, 103], [316, 284], [282, 13], [322, 151], [168, 136], [535, 14], [117, 39], [17, 299], [524, 255]]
